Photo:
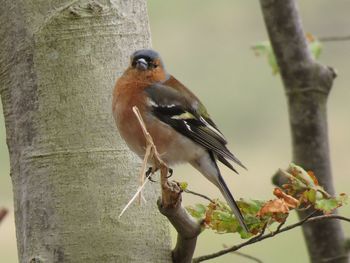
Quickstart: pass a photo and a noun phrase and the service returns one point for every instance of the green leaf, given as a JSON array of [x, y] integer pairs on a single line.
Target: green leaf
[[264, 49], [183, 185], [250, 207], [223, 222], [310, 195], [326, 205], [315, 46], [197, 211]]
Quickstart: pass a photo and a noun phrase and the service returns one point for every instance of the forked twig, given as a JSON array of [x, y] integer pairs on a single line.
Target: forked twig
[[151, 154], [170, 203], [138, 193]]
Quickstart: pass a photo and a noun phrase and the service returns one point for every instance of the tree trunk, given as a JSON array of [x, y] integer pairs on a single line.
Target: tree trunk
[[71, 172], [307, 85]]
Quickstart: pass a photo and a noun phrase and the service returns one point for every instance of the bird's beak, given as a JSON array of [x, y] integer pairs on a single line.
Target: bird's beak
[[141, 64]]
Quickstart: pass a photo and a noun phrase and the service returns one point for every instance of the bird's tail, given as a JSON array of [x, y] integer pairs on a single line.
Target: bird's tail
[[208, 167], [231, 202]]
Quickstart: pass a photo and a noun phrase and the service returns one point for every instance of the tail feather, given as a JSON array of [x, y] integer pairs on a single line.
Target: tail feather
[[231, 202], [228, 196], [227, 163], [207, 165]]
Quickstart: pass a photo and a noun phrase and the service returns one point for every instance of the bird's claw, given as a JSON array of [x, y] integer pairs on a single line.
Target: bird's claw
[[170, 173], [150, 171], [149, 176]]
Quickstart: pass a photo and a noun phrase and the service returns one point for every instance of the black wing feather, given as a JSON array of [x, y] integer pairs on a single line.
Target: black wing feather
[[168, 105]]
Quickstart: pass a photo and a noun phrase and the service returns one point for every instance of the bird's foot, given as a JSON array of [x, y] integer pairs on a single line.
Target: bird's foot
[[170, 173], [149, 174]]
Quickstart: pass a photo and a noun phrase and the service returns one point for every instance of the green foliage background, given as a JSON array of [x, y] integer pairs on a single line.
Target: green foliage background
[[206, 44]]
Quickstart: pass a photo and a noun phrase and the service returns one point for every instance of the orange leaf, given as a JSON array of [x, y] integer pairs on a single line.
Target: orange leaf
[[309, 37], [274, 206], [313, 177], [289, 200]]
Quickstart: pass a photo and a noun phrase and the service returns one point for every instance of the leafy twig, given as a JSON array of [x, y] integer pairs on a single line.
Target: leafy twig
[[253, 240]]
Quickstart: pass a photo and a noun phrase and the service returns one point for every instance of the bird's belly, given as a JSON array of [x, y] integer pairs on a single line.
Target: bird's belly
[[173, 147], [182, 151]]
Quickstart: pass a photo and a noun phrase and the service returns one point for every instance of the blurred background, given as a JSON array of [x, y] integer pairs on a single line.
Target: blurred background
[[207, 46]]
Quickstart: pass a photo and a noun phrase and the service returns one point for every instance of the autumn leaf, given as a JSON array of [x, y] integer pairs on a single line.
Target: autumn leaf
[[313, 177], [278, 209], [305, 187], [302, 189], [274, 206], [288, 199]]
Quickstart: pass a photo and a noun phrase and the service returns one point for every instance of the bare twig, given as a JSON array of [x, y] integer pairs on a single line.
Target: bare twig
[[261, 233], [248, 256], [245, 255], [259, 238], [150, 148], [3, 213], [200, 195], [138, 193], [334, 38], [170, 202]]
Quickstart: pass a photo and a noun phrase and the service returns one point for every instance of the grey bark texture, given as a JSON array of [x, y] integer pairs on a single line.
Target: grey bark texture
[[307, 85], [71, 172]]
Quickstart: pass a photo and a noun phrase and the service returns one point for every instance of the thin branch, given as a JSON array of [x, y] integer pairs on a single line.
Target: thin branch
[[280, 226], [248, 256], [253, 240], [245, 255], [200, 195], [333, 38], [260, 234]]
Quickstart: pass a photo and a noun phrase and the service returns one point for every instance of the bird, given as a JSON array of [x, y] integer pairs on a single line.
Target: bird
[[179, 124]]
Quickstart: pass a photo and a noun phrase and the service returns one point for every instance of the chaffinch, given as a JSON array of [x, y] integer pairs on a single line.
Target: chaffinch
[[178, 122]]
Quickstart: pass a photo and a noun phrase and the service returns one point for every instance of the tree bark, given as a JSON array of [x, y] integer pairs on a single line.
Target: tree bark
[[71, 172], [307, 85]]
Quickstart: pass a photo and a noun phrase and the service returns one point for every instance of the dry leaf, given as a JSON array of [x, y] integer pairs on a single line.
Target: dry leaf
[[289, 200]]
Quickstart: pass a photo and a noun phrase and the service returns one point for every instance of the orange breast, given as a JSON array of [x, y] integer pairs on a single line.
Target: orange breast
[[127, 95]]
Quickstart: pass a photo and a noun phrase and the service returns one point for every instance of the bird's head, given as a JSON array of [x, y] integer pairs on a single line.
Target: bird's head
[[147, 64]]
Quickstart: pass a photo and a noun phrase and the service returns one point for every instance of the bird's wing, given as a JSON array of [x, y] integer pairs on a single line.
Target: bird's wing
[[190, 118]]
